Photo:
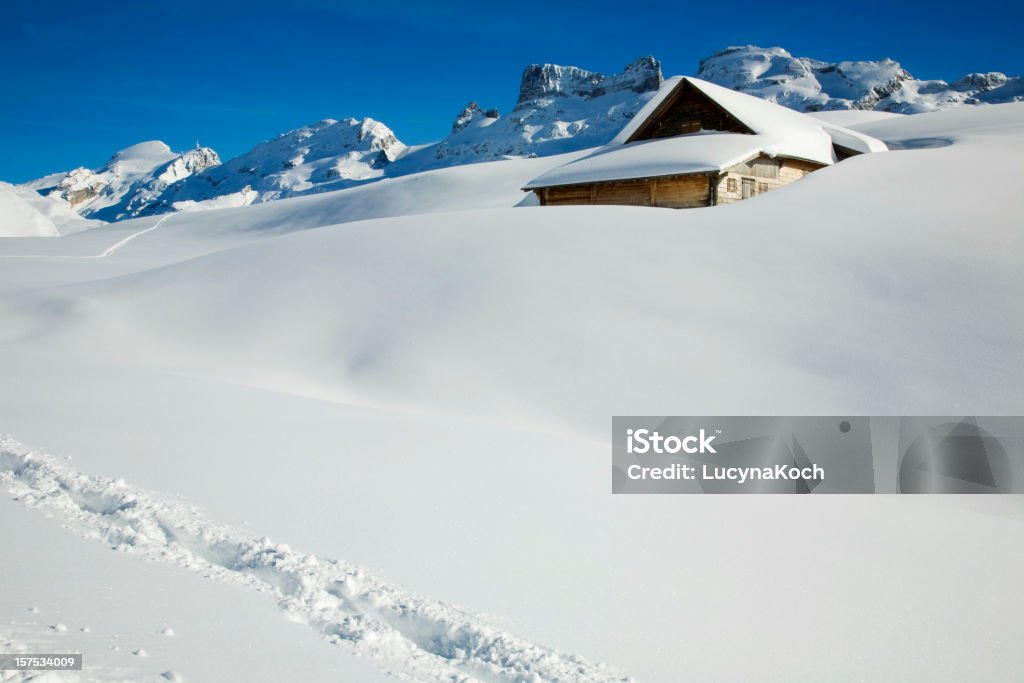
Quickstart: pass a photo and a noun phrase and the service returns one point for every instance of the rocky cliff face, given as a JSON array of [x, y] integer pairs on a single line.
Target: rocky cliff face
[[807, 84], [80, 185], [542, 81], [560, 109]]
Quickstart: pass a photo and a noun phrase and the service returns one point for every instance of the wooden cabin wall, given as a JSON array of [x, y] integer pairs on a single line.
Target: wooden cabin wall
[[738, 182], [567, 195], [760, 175], [624, 193], [680, 192]]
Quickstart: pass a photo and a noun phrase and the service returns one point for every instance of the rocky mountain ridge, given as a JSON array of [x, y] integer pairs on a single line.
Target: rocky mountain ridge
[[807, 84]]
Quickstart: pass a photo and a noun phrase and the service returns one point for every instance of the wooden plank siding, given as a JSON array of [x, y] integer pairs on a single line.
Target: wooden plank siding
[[683, 192], [763, 174], [676, 192], [627, 192]]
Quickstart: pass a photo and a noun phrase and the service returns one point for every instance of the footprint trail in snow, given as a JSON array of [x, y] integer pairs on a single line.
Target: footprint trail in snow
[[409, 635]]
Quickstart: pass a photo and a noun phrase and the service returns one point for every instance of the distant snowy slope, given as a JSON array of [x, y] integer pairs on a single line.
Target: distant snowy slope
[[196, 232], [809, 84]]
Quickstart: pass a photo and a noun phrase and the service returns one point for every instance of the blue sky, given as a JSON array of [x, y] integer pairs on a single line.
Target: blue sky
[[84, 79]]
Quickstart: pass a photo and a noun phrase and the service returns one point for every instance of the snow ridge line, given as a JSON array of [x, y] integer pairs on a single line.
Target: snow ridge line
[[408, 635]]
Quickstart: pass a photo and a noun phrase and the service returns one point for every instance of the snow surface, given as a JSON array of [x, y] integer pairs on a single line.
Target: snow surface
[[409, 634], [851, 117], [852, 139], [377, 380]]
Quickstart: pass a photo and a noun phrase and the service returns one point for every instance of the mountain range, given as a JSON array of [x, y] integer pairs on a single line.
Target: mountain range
[[559, 109]]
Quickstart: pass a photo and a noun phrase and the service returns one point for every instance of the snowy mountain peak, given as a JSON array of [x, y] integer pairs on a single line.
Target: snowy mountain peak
[[120, 187], [551, 80], [327, 154], [807, 84], [473, 112], [643, 73], [980, 82], [803, 83], [560, 109], [323, 139], [380, 138], [184, 165], [142, 151]]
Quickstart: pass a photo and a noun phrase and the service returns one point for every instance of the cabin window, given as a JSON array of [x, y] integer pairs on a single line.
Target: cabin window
[[730, 185], [762, 187]]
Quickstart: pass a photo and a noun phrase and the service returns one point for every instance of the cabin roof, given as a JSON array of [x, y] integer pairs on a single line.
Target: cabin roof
[[854, 140], [698, 153], [777, 132]]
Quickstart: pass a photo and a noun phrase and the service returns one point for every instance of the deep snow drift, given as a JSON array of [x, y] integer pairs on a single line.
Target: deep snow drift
[[416, 376]]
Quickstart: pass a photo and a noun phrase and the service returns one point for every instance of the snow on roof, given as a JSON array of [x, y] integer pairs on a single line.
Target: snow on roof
[[851, 139], [707, 152], [778, 132]]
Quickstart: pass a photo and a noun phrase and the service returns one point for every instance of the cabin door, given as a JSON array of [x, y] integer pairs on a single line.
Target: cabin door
[[748, 188]]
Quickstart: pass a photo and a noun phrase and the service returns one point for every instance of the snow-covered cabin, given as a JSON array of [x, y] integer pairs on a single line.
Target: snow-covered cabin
[[699, 144]]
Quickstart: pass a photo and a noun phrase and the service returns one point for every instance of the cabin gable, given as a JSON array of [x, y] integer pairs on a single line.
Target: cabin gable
[[687, 110], [759, 175]]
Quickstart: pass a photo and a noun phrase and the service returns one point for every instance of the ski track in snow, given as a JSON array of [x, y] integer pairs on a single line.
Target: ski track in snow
[[110, 250], [103, 254], [409, 636]]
